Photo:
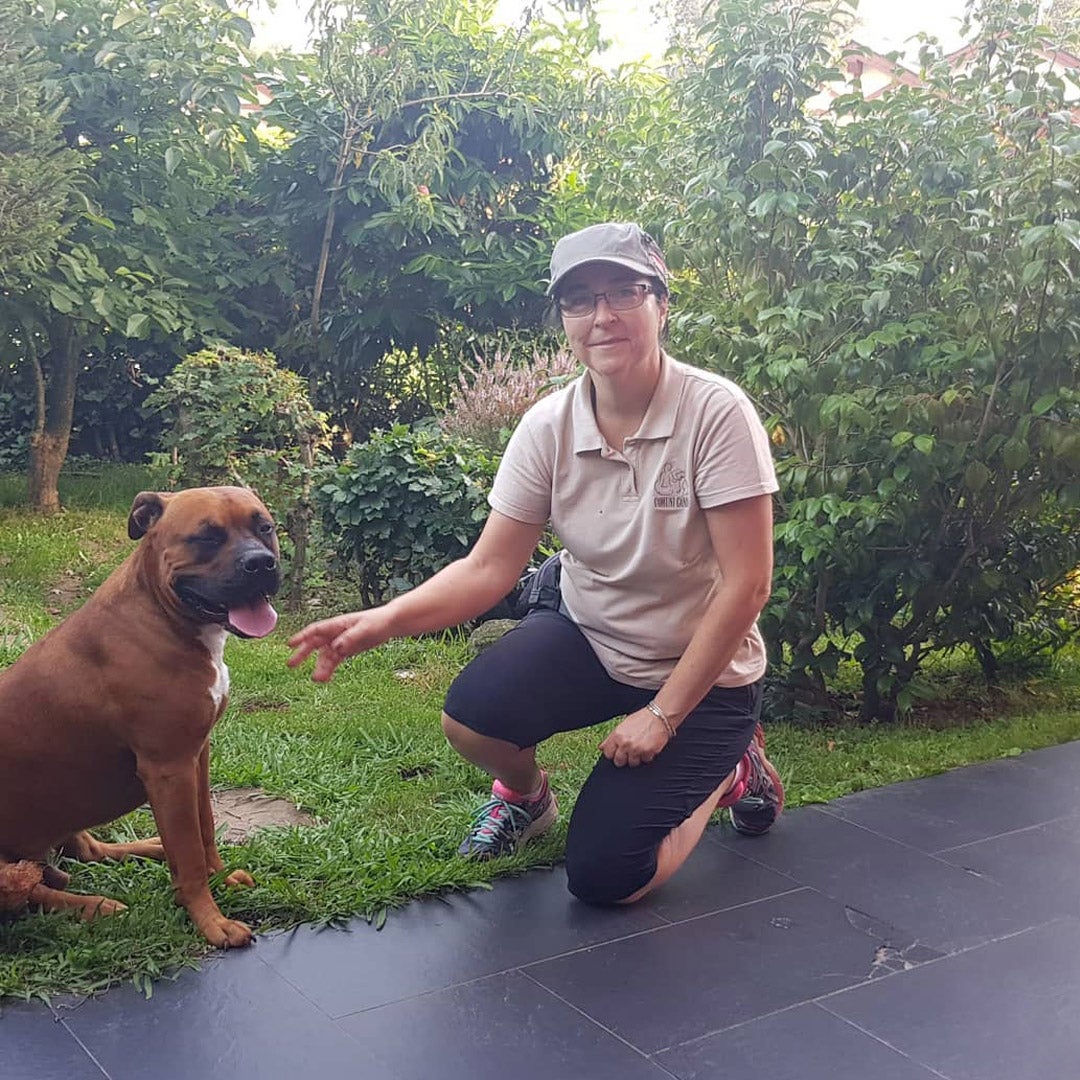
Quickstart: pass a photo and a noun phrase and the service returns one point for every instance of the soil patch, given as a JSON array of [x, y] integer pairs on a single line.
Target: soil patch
[[67, 593], [244, 811]]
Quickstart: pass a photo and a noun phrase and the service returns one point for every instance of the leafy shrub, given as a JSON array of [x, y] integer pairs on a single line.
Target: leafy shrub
[[229, 408], [404, 504], [16, 422], [895, 282], [494, 393], [110, 421]]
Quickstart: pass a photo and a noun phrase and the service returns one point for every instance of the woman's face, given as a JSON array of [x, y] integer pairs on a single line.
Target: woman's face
[[612, 342]]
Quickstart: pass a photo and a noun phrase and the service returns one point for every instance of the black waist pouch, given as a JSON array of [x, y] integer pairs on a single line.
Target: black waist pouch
[[540, 588]]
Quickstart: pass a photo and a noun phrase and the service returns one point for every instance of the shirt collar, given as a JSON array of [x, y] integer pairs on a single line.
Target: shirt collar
[[586, 434], [659, 420]]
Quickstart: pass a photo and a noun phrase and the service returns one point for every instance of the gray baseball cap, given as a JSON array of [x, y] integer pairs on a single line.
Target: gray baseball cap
[[623, 243]]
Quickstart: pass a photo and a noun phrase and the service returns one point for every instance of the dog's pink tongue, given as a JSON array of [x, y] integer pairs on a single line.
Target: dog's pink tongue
[[255, 620]]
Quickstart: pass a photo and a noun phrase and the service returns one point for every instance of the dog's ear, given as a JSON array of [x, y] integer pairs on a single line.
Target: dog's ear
[[145, 510]]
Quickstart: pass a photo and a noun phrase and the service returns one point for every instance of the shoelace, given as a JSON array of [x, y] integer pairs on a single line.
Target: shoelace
[[758, 781], [498, 818]]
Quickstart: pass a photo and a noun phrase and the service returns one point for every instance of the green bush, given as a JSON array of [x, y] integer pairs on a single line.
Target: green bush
[[226, 409], [404, 504], [894, 281]]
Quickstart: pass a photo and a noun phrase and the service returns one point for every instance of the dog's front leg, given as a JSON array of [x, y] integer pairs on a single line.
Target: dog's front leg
[[173, 789], [214, 864]]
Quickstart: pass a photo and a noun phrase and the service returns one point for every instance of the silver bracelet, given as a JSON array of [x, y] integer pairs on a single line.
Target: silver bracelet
[[657, 711]]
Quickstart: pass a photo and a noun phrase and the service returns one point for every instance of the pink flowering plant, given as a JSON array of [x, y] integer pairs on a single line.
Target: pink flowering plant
[[493, 394]]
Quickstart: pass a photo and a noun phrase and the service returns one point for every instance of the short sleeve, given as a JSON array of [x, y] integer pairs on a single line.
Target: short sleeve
[[522, 487], [732, 454]]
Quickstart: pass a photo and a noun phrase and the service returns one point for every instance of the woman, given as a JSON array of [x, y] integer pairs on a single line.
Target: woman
[[657, 479]]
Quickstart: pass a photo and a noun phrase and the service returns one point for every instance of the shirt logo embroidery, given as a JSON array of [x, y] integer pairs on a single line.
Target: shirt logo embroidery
[[670, 489]]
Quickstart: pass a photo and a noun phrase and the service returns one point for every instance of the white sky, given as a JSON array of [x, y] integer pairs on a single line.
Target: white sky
[[884, 24]]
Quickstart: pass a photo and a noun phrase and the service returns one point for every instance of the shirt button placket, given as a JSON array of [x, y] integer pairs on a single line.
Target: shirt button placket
[[630, 486]]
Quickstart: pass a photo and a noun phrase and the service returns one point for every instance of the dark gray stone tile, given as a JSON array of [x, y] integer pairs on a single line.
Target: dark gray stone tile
[[34, 1045], [1054, 784], [963, 805], [1061, 761], [1040, 866], [1004, 1011], [497, 1027], [434, 944], [555, 919], [943, 811], [803, 1043], [234, 1019], [938, 903], [692, 978], [715, 878]]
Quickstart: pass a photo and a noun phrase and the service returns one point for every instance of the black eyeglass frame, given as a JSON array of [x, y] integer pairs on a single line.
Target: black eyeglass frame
[[641, 288]]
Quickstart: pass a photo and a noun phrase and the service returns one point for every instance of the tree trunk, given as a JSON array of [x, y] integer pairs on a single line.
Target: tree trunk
[[348, 134], [875, 705], [55, 381], [987, 661], [808, 692]]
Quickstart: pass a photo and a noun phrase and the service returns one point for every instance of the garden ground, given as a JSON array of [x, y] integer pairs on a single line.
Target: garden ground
[[922, 930], [365, 758]]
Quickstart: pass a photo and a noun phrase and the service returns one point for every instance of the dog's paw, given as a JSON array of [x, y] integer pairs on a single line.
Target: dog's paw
[[240, 878], [225, 933], [151, 848], [93, 906]]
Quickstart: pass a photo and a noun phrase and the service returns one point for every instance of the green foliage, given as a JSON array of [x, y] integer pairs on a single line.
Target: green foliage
[[894, 281], [411, 184], [237, 418], [151, 105], [109, 419], [230, 412], [37, 171], [16, 421], [1062, 18], [404, 504]]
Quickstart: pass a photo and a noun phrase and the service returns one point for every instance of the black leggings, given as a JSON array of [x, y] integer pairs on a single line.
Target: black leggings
[[543, 677]]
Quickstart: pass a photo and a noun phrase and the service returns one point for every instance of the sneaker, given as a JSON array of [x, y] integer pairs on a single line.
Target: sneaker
[[501, 824], [762, 801]]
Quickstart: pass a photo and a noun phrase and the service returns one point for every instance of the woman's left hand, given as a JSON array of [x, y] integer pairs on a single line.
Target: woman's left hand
[[636, 740]]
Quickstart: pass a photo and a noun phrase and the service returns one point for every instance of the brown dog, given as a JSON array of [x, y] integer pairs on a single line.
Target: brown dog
[[115, 705]]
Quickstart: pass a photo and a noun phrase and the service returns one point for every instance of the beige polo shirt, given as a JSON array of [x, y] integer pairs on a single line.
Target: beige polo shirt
[[638, 569]]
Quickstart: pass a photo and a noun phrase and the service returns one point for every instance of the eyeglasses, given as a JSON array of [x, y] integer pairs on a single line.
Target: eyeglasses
[[576, 305]]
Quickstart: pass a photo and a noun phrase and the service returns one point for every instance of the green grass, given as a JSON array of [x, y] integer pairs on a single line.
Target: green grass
[[89, 485], [48, 564], [366, 757]]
